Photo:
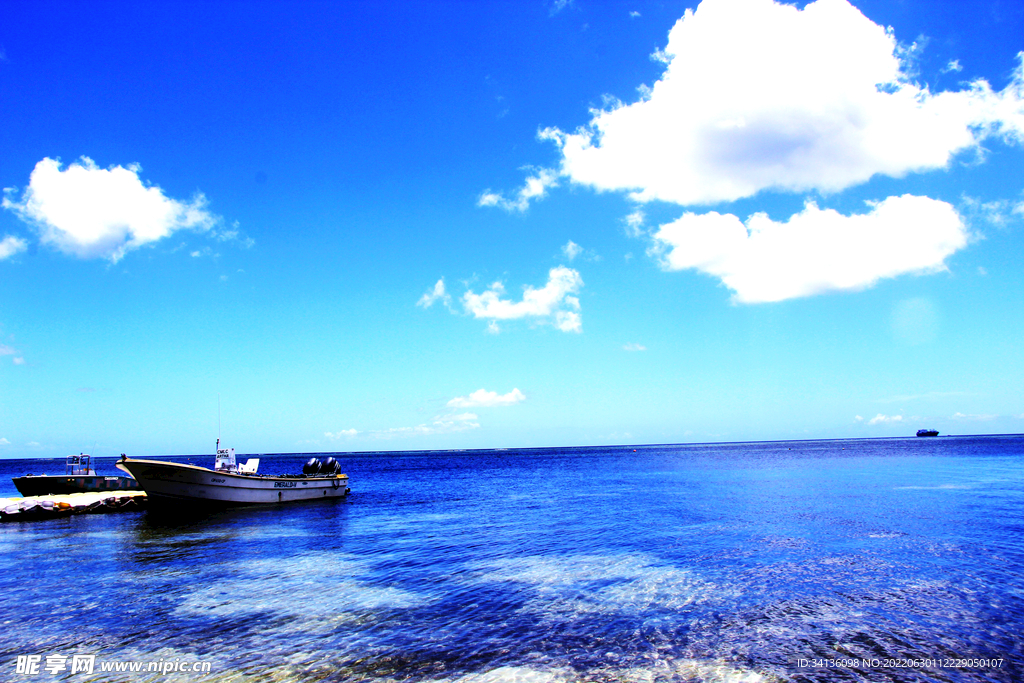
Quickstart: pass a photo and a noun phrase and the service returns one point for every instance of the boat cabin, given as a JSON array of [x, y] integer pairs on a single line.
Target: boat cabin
[[225, 462], [78, 465]]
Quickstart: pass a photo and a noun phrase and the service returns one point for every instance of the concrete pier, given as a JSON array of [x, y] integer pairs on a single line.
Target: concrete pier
[[48, 507]]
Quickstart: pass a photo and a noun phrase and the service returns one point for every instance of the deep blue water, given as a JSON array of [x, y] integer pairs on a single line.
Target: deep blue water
[[723, 562]]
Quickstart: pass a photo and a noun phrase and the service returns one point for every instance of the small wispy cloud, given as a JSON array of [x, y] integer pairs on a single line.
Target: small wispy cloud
[[571, 250], [487, 399], [885, 419], [632, 346], [536, 187], [634, 223], [341, 434], [442, 424], [1000, 213], [973, 418], [559, 5], [11, 245], [438, 293]]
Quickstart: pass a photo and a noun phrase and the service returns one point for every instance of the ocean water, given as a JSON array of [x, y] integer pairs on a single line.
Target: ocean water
[[859, 560]]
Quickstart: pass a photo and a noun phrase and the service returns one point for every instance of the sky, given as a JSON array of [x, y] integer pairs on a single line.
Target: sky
[[362, 226]]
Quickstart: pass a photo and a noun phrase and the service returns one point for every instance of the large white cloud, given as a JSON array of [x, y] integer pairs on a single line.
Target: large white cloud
[[762, 96], [816, 250], [93, 212], [759, 95], [553, 302]]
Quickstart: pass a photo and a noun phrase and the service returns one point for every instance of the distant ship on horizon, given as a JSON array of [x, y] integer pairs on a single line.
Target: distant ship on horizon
[[927, 432]]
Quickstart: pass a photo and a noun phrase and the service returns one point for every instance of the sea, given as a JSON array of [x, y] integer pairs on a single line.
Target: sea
[[838, 560]]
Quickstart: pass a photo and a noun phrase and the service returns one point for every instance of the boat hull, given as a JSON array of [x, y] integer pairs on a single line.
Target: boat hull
[[46, 485], [168, 482]]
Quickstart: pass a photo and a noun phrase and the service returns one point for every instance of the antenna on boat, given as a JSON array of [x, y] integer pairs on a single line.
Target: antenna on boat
[[218, 420]]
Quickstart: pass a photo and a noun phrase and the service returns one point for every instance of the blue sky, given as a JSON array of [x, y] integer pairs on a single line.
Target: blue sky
[[466, 225]]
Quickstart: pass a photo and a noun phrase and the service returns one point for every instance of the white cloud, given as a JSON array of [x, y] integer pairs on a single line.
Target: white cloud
[[341, 434], [634, 15], [885, 419], [552, 303], [487, 399], [569, 321], [536, 187], [4, 442], [973, 418], [634, 223], [438, 292], [92, 212], [11, 245], [559, 5], [634, 347], [953, 65], [442, 424], [858, 418], [18, 360], [6, 350], [1000, 213], [814, 251], [571, 250], [741, 108]]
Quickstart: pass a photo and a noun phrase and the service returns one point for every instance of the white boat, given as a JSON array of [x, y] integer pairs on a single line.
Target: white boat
[[231, 484]]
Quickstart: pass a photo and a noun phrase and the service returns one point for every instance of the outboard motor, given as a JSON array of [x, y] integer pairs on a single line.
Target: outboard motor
[[312, 466], [330, 467]]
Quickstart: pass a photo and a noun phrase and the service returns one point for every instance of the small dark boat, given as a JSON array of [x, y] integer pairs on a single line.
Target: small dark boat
[[79, 477], [927, 432]]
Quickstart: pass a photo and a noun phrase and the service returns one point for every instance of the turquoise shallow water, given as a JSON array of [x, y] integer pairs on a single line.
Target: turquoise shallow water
[[862, 560]]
